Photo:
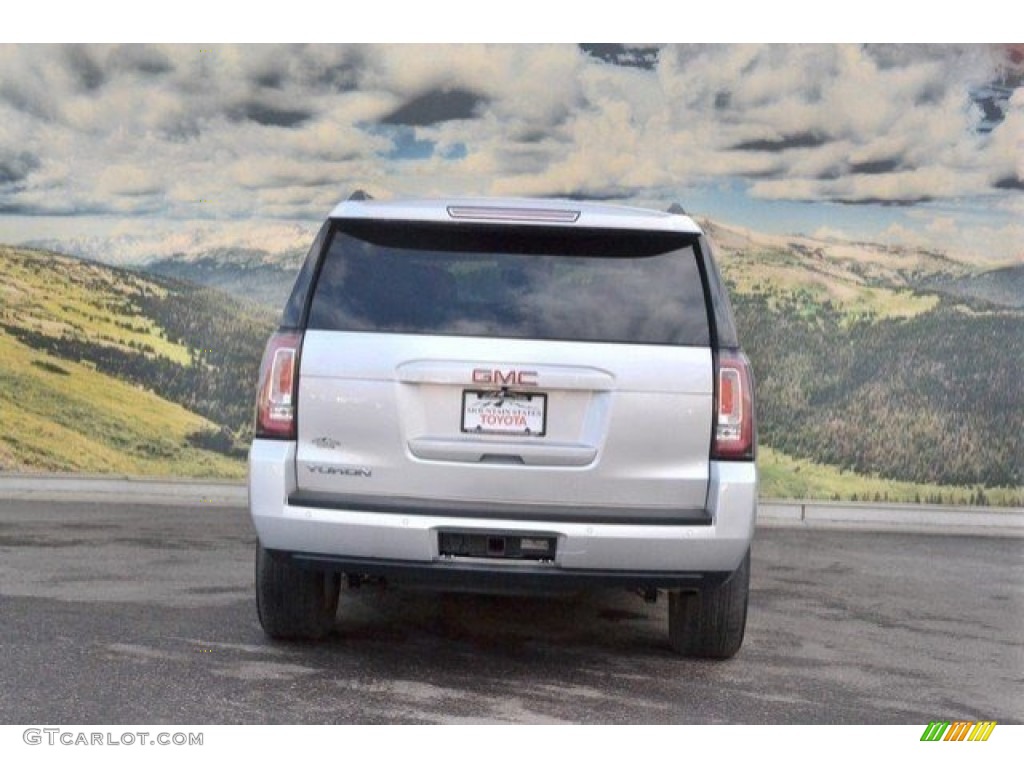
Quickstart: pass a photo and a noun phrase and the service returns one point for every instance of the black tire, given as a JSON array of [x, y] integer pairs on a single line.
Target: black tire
[[294, 603], [710, 623]]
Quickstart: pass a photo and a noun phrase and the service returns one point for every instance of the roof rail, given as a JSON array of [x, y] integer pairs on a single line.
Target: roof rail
[[360, 194], [677, 208]]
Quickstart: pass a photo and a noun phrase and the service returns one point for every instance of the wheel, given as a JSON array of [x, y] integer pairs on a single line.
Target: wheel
[[294, 603], [710, 623]]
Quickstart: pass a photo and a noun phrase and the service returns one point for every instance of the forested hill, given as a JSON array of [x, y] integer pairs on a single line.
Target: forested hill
[[865, 362], [934, 398], [1003, 286], [864, 367], [246, 273], [862, 364], [187, 345]]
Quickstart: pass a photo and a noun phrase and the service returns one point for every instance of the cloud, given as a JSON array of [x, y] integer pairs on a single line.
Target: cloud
[[886, 201], [285, 131], [263, 113], [1009, 182], [979, 242], [83, 66], [872, 167], [641, 57], [805, 140], [16, 166], [437, 105], [145, 59], [128, 180]]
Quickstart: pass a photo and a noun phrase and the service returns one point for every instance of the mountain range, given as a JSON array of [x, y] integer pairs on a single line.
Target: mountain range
[[893, 366]]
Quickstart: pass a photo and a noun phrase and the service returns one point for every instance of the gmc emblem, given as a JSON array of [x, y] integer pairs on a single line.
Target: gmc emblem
[[509, 378]]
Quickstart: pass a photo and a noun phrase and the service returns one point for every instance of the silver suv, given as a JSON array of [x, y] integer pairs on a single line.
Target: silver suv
[[506, 395]]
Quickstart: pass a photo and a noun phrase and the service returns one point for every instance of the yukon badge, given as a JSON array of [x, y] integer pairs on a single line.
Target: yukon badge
[[322, 469]]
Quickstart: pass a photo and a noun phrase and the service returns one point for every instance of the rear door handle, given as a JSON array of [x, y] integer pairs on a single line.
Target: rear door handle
[[511, 452]]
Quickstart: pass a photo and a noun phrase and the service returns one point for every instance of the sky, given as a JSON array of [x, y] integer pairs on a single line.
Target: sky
[[182, 146]]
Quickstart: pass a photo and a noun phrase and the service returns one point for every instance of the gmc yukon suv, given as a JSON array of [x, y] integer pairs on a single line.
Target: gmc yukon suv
[[506, 395]]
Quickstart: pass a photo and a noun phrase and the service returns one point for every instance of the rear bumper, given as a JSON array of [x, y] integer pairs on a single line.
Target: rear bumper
[[385, 541], [503, 577]]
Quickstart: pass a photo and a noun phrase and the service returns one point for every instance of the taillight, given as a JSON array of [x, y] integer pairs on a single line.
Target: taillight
[[734, 408], [275, 403]]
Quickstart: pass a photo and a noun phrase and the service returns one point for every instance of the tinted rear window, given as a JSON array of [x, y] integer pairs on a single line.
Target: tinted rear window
[[529, 283]]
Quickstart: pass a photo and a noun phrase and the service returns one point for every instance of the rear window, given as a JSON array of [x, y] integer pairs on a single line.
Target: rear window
[[527, 283]]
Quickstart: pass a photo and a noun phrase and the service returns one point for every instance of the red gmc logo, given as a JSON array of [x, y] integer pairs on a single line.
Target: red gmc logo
[[509, 378]]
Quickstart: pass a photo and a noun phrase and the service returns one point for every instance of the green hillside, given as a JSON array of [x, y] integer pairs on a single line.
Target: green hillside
[[866, 372], [63, 416], [870, 385], [108, 370], [934, 398], [1003, 286], [785, 477]]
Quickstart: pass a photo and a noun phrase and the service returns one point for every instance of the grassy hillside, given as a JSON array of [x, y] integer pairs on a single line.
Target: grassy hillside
[[862, 367], [108, 370], [871, 385], [59, 296], [870, 380], [847, 266], [935, 398], [60, 415], [785, 477]]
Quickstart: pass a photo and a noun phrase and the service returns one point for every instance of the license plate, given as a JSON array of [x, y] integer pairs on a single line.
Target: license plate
[[504, 413]]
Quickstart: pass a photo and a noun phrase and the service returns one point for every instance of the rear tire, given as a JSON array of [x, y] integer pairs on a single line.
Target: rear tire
[[710, 623], [294, 603]]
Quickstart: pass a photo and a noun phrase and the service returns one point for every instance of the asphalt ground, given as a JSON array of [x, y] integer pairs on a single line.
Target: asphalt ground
[[140, 613]]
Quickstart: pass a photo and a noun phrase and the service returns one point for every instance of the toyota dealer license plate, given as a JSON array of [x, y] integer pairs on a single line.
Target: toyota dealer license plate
[[504, 413]]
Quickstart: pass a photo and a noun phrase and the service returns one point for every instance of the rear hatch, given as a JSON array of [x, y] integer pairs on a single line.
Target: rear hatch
[[546, 372]]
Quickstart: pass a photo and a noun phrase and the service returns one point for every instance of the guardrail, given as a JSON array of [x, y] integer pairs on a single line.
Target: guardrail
[[171, 491], [889, 516]]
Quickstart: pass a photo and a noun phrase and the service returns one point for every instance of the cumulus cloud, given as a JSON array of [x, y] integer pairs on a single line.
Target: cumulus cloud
[[979, 242], [237, 132], [438, 105]]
